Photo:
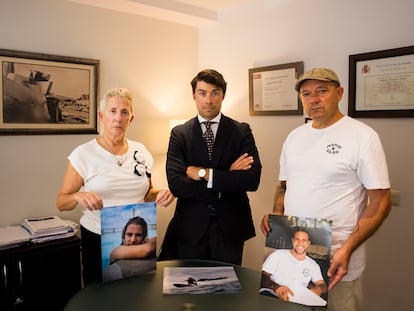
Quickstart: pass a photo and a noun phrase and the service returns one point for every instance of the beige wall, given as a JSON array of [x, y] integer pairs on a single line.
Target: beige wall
[[157, 59], [322, 33]]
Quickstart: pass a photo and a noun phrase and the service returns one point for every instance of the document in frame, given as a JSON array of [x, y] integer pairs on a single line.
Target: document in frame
[[128, 240], [284, 267]]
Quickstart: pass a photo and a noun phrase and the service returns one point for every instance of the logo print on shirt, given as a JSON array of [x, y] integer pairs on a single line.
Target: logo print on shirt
[[333, 148], [306, 272]]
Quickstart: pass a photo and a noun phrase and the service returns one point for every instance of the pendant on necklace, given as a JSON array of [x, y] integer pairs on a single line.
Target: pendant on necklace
[[120, 159]]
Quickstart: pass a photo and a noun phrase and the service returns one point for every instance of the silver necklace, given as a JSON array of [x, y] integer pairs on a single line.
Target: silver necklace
[[120, 158]]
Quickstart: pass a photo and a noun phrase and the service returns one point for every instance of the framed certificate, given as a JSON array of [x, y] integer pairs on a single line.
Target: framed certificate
[[272, 90], [381, 84]]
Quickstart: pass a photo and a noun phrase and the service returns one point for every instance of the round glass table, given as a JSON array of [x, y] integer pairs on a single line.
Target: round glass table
[[145, 292]]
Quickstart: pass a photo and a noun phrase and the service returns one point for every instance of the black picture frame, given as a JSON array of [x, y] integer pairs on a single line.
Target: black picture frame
[[48, 94], [381, 84], [272, 90]]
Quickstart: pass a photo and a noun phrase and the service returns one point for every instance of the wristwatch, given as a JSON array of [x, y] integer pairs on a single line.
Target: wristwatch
[[201, 173]]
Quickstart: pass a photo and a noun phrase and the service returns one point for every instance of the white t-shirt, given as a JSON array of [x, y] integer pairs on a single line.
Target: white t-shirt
[[327, 172], [287, 270], [116, 185]]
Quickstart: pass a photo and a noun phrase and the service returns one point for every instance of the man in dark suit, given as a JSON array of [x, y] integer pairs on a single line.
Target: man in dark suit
[[212, 219]]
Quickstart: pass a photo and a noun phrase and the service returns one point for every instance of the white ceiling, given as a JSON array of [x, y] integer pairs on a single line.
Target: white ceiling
[[190, 12], [215, 5]]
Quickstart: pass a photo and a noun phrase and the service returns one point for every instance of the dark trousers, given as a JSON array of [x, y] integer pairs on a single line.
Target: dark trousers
[[213, 246], [91, 256]]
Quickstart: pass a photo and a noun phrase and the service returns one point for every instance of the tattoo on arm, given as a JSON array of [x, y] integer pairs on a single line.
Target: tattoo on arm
[[278, 203], [267, 282]]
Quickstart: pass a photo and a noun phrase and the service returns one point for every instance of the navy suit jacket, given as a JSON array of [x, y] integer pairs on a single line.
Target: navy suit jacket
[[228, 195]]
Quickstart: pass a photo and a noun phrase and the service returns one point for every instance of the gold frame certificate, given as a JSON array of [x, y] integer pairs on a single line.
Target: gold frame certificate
[[272, 90]]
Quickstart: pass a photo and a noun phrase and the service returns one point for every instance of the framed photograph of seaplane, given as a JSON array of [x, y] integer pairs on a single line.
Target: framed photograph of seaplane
[[47, 94]]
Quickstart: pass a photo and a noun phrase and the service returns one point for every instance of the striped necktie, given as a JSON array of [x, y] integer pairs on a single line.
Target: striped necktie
[[208, 137]]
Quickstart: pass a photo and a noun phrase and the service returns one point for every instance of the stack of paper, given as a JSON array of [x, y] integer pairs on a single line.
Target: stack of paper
[[48, 228], [12, 236]]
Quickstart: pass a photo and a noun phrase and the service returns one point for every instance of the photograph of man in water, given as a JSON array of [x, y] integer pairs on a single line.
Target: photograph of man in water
[[128, 240]]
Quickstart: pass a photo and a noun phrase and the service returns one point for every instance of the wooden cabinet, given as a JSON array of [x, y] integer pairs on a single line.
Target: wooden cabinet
[[40, 276]]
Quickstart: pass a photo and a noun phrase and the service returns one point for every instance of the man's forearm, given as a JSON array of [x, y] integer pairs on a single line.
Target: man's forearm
[[279, 200], [371, 218], [268, 283]]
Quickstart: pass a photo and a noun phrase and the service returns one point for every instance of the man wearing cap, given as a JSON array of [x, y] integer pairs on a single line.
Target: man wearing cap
[[334, 168]]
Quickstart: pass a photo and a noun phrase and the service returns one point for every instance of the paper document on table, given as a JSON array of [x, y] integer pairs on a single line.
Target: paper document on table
[[43, 223], [54, 237], [48, 226], [13, 236]]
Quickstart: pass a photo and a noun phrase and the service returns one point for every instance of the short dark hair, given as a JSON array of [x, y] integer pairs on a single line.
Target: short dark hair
[[210, 76], [137, 220], [300, 229]]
